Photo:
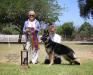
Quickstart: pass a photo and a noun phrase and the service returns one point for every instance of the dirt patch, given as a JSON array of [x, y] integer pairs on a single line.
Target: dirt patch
[[13, 55], [83, 52], [84, 56]]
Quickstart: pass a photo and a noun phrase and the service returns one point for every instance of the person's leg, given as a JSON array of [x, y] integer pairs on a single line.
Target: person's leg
[[35, 56], [57, 59], [46, 61], [28, 48]]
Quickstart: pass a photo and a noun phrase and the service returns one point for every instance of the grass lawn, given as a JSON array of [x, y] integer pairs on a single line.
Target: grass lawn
[[10, 62], [41, 69]]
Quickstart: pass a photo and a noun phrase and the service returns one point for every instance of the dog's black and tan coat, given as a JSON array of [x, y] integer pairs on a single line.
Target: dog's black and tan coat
[[53, 48]]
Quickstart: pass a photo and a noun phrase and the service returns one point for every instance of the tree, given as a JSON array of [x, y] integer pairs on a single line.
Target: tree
[[92, 30], [59, 30], [85, 31], [14, 11], [10, 29], [86, 8], [67, 30], [47, 10]]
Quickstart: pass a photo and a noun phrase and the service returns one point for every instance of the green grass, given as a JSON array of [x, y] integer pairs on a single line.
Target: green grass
[[84, 52], [41, 69]]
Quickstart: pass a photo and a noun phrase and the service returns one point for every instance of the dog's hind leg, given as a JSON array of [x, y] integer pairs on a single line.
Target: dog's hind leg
[[71, 58], [75, 60], [66, 57]]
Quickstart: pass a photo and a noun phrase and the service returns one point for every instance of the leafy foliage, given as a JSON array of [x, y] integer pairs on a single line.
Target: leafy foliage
[[15, 11], [85, 30], [59, 30], [10, 29], [67, 30], [86, 8]]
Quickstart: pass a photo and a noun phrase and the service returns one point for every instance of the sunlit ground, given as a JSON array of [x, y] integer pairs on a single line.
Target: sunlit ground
[[10, 61]]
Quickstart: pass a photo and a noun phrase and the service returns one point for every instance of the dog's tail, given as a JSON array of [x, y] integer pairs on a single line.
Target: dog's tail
[[77, 61]]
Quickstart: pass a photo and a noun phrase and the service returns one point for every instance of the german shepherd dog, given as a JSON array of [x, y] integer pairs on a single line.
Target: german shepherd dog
[[53, 48]]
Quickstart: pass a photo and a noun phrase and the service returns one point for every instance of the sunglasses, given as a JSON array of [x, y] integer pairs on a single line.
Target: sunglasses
[[31, 15]]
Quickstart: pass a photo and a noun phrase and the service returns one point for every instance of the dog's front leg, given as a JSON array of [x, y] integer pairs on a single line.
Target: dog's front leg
[[51, 57]]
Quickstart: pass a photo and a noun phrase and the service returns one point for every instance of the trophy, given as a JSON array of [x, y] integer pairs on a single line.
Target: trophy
[[24, 57]]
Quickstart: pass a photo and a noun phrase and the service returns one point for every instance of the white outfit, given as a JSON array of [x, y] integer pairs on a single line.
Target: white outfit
[[32, 53], [56, 38]]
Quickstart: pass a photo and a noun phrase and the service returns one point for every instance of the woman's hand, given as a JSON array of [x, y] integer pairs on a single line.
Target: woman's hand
[[27, 30]]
